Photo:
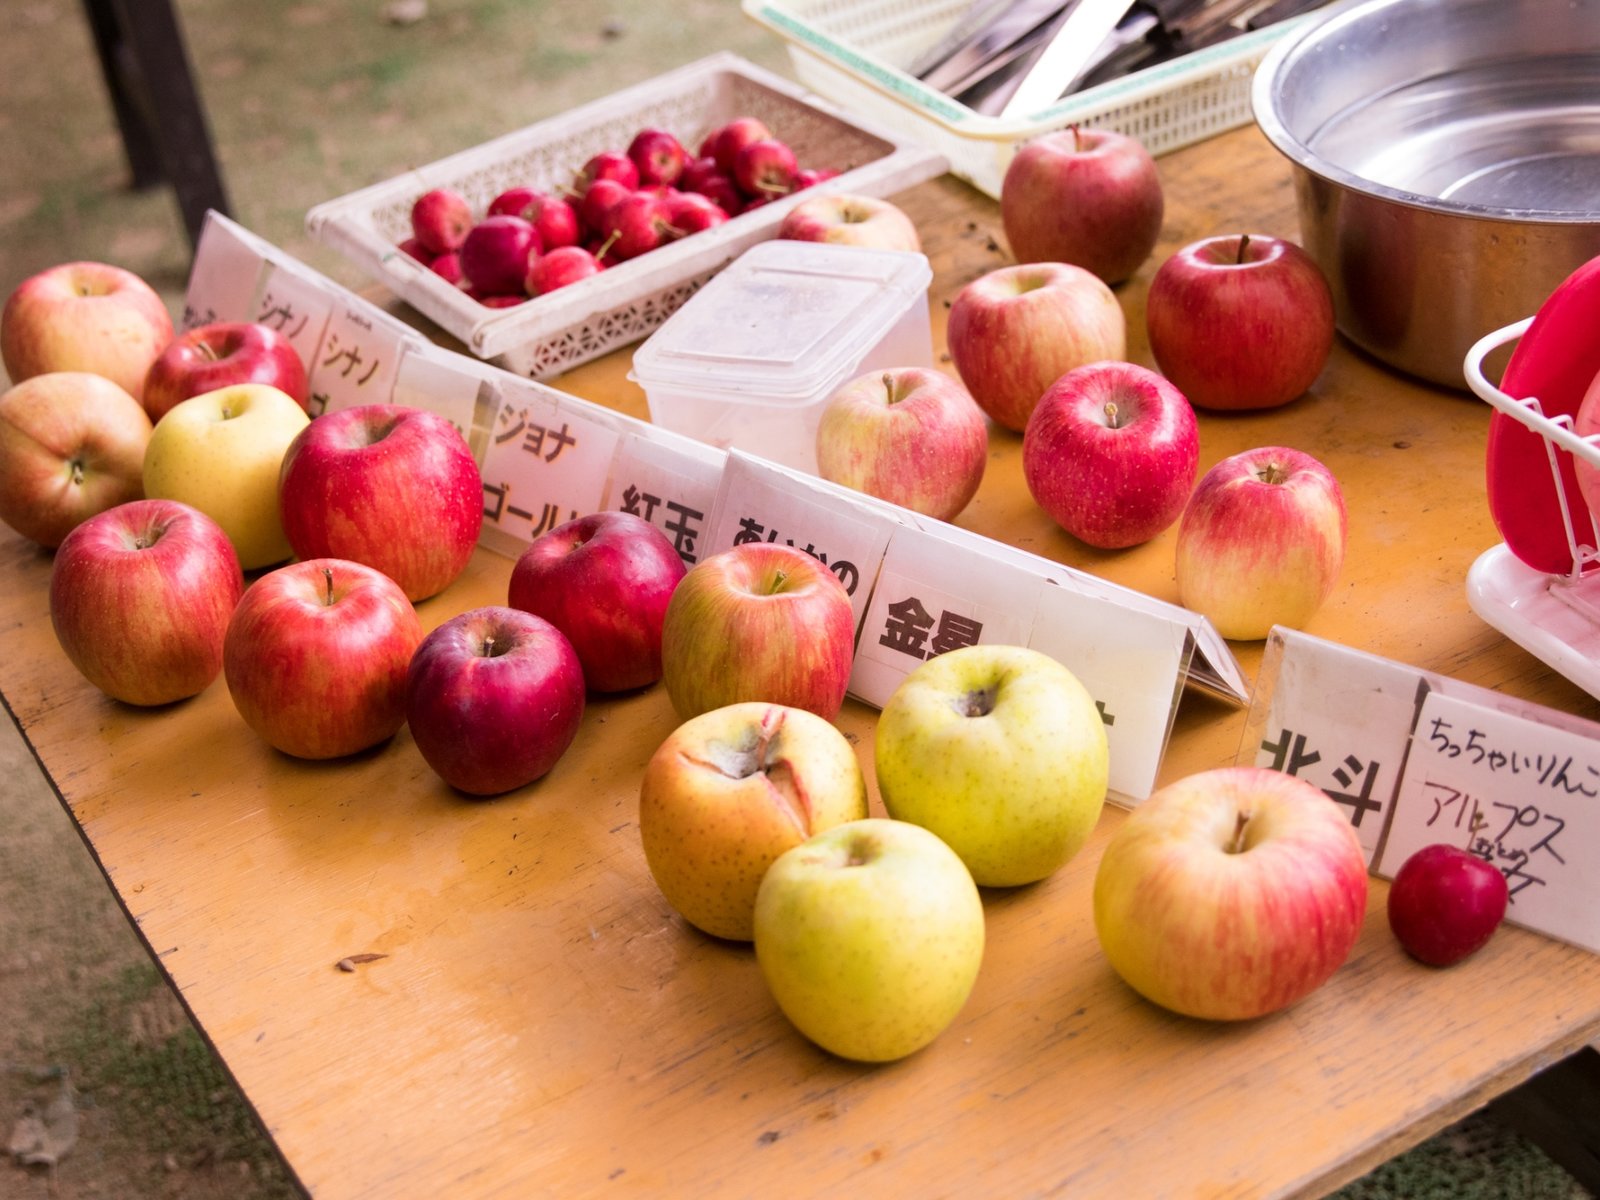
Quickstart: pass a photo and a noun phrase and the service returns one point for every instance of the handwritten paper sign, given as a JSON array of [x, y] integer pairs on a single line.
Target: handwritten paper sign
[[223, 282], [670, 481], [548, 462], [1520, 794], [762, 502], [297, 306], [356, 363]]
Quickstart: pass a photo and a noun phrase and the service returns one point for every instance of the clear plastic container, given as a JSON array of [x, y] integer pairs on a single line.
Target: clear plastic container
[[751, 359]]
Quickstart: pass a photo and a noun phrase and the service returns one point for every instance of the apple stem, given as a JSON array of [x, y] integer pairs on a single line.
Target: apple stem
[[1272, 473], [1237, 846], [206, 352], [1244, 244], [779, 578], [606, 245], [1111, 414], [976, 703], [77, 471], [327, 577], [488, 646]]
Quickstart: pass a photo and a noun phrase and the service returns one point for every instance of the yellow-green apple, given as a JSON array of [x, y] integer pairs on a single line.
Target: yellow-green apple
[[220, 452], [1111, 453], [494, 696], [440, 220], [71, 444], [1445, 904], [759, 621], [870, 937], [1240, 321], [387, 485], [999, 750], [848, 220], [496, 253], [1016, 330], [140, 598], [316, 655], [1231, 893], [84, 316], [604, 580], [1261, 541], [912, 436], [219, 354], [1090, 197], [730, 790]]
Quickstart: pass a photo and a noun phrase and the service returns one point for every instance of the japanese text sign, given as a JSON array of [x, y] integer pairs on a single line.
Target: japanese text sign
[[670, 481]]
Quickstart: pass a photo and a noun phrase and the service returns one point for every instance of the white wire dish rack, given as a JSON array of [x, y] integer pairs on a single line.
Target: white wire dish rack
[[1555, 617]]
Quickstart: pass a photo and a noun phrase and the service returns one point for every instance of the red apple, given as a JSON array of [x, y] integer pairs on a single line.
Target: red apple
[[440, 220], [316, 654], [140, 598], [692, 212], [723, 143], [221, 354], [71, 444], [638, 225], [1231, 893], [911, 436], [1090, 197], [848, 220], [495, 254], [765, 168], [614, 165], [393, 487], [447, 266], [1111, 453], [559, 267], [595, 208], [659, 156], [811, 176], [414, 247], [761, 621], [604, 581], [700, 172], [1261, 541], [552, 217], [1240, 321], [1016, 330], [494, 697], [1445, 904], [84, 316]]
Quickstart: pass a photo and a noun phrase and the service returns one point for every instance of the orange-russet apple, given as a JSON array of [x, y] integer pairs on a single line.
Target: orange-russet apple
[[219, 354], [1016, 330], [1001, 752], [1231, 893], [759, 621], [84, 316], [729, 791], [912, 436], [1261, 541], [140, 599], [1090, 197], [72, 444], [221, 452], [846, 220], [870, 937]]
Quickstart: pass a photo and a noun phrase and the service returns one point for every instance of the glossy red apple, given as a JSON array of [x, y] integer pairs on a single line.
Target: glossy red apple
[[1240, 322], [1016, 330], [766, 167], [494, 696], [1445, 904], [692, 212], [614, 165], [140, 599], [316, 655], [1111, 453], [496, 252], [386, 485], [604, 580], [552, 217], [658, 155], [221, 354], [723, 143], [441, 219], [560, 267], [1090, 197]]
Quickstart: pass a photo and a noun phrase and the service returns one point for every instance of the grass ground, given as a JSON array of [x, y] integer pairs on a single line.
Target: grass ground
[[308, 99]]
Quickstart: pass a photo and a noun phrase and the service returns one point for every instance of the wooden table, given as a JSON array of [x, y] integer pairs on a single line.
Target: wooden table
[[541, 1023]]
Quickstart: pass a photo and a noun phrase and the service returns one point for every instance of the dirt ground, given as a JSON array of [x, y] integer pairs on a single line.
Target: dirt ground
[[308, 99]]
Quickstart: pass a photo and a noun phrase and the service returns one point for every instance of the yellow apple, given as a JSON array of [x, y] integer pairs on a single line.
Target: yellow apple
[[220, 452]]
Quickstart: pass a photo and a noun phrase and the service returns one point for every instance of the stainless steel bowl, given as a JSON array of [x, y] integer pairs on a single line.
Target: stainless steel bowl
[[1446, 159]]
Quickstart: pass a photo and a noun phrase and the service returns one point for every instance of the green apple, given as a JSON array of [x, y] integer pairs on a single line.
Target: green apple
[[1000, 751], [870, 935], [729, 791], [220, 452]]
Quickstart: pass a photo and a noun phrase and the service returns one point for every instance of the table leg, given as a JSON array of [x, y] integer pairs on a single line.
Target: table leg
[[1558, 1110]]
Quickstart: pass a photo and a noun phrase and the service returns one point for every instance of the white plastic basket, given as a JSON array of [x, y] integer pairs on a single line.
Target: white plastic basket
[[855, 51], [549, 334]]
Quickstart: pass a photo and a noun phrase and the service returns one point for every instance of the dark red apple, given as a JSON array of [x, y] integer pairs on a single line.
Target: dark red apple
[[221, 354], [659, 156], [765, 168], [1445, 904], [494, 257]]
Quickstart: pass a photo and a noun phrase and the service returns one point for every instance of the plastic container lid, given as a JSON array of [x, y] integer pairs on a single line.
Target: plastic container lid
[[782, 321]]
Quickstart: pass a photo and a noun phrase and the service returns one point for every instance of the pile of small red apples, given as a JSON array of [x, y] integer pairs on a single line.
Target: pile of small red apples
[[1111, 449], [621, 204]]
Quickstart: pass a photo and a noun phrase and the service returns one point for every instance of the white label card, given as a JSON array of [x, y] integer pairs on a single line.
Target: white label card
[[297, 307], [548, 462], [1516, 792], [672, 483], [226, 274], [356, 363], [442, 384], [762, 502]]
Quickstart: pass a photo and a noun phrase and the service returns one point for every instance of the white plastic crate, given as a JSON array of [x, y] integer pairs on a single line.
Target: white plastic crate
[[855, 52], [549, 334]]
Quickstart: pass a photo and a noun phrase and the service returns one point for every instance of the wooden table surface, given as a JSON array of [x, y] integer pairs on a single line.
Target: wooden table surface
[[542, 1023]]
